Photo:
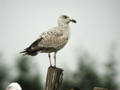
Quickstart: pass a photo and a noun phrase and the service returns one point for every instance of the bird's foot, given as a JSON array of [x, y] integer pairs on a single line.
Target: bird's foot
[[54, 66], [51, 65]]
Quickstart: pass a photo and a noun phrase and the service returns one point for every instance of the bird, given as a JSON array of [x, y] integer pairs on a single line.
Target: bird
[[53, 40], [14, 86]]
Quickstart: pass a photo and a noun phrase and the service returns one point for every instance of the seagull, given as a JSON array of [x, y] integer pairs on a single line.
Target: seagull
[[14, 86], [52, 40]]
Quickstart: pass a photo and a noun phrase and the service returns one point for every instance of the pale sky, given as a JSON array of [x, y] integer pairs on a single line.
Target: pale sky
[[98, 25]]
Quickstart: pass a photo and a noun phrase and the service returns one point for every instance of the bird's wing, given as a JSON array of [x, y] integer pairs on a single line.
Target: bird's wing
[[46, 39], [33, 48], [52, 38]]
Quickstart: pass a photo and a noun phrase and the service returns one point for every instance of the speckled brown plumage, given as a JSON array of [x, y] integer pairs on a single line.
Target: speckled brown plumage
[[52, 40]]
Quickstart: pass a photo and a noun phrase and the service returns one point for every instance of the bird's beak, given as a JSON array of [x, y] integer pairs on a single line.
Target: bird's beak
[[72, 20]]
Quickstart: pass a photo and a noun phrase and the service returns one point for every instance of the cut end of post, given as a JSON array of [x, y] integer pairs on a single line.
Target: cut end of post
[[55, 68]]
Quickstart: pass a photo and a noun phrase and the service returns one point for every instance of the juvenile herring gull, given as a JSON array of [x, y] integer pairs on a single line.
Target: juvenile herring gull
[[53, 40]]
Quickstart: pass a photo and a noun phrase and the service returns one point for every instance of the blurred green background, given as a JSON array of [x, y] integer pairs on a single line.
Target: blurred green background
[[86, 76]]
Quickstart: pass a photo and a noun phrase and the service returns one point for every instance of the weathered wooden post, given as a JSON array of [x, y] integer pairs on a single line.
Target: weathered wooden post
[[99, 88], [54, 78]]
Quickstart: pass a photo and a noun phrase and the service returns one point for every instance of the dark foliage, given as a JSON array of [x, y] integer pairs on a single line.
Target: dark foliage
[[3, 73], [26, 78], [86, 76]]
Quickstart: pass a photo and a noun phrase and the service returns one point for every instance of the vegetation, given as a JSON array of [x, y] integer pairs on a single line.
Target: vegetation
[[26, 78], [3, 72], [85, 77]]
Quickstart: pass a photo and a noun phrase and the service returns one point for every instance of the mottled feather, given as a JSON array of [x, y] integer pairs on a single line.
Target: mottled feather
[[52, 40]]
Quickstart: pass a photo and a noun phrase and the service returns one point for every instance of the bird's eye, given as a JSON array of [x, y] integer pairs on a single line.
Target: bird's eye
[[65, 17]]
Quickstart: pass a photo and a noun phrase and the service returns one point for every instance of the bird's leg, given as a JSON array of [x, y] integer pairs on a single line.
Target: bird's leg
[[49, 58], [55, 59]]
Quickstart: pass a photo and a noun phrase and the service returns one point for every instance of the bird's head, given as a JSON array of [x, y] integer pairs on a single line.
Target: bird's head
[[65, 20], [14, 86]]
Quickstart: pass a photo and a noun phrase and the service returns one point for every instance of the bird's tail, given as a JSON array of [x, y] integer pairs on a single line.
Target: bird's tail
[[30, 52]]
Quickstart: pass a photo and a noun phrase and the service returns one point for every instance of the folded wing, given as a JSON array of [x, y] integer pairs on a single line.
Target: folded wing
[[48, 42]]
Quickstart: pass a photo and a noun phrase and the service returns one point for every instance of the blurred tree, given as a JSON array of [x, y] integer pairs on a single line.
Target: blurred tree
[[3, 73], [110, 71], [67, 84], [28, 76], [3, 76], [86, 76]]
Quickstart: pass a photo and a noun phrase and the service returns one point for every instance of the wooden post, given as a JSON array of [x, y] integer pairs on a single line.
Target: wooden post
[[99, 88], [54, 78]]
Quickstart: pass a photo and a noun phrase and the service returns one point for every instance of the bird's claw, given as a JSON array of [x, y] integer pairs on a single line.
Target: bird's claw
[[54, 66]]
